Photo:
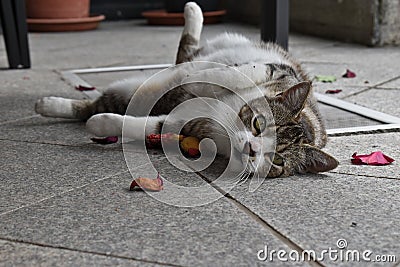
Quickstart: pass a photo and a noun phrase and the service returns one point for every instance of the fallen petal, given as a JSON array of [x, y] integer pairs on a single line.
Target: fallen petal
[[105, 140], [349, 74], [84, 88], [336, 91], [148, 184], [154, 140], [375, 158], [325, 78]]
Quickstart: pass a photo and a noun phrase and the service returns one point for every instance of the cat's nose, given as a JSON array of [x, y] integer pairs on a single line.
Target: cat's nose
[[248, 150]]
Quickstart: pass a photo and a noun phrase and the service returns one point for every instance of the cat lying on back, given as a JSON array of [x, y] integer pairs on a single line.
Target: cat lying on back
[[299, 131]]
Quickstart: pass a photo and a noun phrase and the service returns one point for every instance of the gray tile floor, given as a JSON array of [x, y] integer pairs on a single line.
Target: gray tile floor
[[64, 201]]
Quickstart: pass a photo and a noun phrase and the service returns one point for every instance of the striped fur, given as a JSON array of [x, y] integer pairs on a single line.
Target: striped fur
[[286, 88]]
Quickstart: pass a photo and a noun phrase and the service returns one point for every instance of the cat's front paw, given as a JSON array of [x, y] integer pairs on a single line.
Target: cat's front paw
[[105, 124]]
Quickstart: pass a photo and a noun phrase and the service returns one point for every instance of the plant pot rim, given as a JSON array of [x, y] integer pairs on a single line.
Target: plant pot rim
[[162, 17], [57, 25]]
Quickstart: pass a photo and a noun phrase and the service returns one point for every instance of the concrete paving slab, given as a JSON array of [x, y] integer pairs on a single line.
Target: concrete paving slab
[[321, 88], [335, 118], [343, 147], [21, 254], [104, 46], [22, 88], [47, 130], [386, 101], [32, 172], [366, 75], [315, 211], [109, 219], [330, 51], [357, 203]]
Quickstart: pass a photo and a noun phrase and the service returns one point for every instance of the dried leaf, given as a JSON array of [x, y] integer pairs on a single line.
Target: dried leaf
[[336, 91], [375, 158], [190, 145], [148, 184], [105, 140], [325, 78], [349, 74], [84, 88]]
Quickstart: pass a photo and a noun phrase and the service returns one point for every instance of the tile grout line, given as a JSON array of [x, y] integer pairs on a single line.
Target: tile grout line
[[262, 222], [20, 119], [45, 143], [388, 88], [372, 87], [367, 132], [365, 175], [110, 255]]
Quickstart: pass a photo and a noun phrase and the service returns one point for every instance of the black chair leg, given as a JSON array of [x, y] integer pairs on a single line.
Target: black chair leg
[[13, 18], [10, 33], [22, 32], [275, 22]]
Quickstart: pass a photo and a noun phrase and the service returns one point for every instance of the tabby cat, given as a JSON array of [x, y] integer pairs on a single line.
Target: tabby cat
[[286, 108]]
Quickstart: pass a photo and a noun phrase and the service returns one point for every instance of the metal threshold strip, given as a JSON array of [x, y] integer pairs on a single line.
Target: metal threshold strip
[[388, 122]]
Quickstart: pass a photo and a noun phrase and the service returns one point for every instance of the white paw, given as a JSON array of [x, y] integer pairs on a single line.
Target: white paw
[[105, 124], [57, 107], [193, 13]]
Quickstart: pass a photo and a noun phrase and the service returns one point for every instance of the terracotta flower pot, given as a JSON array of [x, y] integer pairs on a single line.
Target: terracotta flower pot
[[57, 9]]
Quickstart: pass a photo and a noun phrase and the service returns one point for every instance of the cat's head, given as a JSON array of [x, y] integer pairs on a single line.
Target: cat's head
[[294, 144]]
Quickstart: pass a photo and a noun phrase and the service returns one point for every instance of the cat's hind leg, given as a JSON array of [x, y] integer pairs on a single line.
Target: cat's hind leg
[[137, 128], [190, 38], [114, 100], [59, 107]]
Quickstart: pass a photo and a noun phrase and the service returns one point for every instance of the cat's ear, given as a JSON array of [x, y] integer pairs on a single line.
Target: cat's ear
[[317, 160], [295, 97]]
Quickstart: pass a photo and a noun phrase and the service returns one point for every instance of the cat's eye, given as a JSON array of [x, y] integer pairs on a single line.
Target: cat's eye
[[259, 123], [278, 160]]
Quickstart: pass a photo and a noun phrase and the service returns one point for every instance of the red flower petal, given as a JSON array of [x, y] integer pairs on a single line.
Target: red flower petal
[[349, 74], [148, 184], [154, 140], [333, 91], [105, 140], [84, 88], [375, 158]]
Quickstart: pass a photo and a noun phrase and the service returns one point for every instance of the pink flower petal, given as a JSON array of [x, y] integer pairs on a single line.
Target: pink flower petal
[[375, 158], [84, 88], [105, 140], [336, 91], [349, 74]]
